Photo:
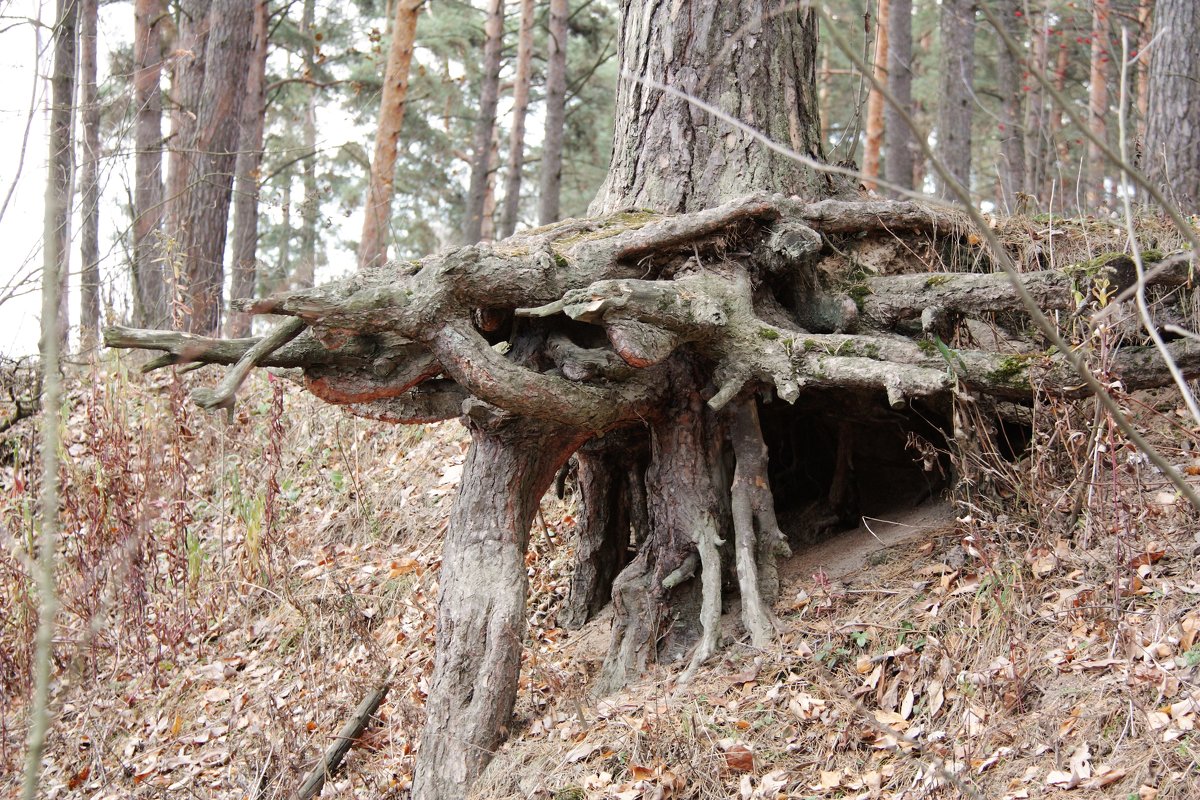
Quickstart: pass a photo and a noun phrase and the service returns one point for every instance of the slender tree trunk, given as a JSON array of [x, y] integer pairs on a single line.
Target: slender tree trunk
[[310, 208], [62, 150], [1036, 148], [283, 269], [899, 146], [246, 181], [485, 125], [487, 231], [875, 101], [55, 233], [1057, 156], [958, 91], [376, 221], [1145, 58], [187, 83], [481, 611], [1173, 133], [550, 191], [150, 287], [89, 182], [1012, 137], [227, 58], [516, 142], [1094, 168]]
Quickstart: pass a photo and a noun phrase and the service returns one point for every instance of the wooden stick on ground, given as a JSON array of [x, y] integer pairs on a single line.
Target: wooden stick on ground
[[345, 740]]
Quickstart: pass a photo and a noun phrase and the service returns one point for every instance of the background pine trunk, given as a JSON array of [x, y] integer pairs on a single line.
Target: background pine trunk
[[373, 247], [485, 123], [958, 91]]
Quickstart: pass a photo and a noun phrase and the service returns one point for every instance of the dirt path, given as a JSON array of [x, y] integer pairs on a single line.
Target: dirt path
[[843, 555]]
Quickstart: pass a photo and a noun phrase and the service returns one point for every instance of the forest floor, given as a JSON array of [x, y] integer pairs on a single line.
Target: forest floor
[[217, 632]]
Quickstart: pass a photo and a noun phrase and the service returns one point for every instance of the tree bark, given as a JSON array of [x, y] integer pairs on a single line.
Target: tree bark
[[899, 146], [89, 181], [215, 146], [659, 611], [875, 101], [151, 290], [516, 142], [61, 179], [485, 124], [246, 181], [611, 479], [556, 110], [373, 247], [310, 207], [1145, 59], [669, 154], [1173, 133], [1011, 169], [958, 92], [481, 610], [187, 84], [1037, 146], [1095, 168]]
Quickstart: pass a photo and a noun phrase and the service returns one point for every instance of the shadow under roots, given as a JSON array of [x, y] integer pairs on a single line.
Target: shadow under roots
[[842, 455]]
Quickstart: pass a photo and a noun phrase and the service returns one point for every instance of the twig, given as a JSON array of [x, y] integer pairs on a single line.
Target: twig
[[345, 740]]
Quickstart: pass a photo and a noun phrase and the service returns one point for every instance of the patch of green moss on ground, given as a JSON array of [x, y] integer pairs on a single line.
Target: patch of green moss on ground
[[934, 281], [768, 333]]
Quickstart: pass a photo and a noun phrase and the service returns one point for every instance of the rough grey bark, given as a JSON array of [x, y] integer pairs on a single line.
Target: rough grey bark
[[187, 83], [89, 181], [485, 123], [215, 147], [244, 258], [481, 610], [1173, 131], [957, 105], [670, 155], [61, 180], [550, 190], [516, 146], [152, 293], [608, 473], [1011, 169], [899, 147]]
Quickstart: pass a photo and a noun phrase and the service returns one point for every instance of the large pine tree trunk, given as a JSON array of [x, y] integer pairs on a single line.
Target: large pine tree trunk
[[373, 247], [481, 610], [516, 146], [899, 146], [151, 296], [89, 181], [215, 146], [670, 155], [1095, 167], [246, 182], [550, 190], [958, 95], [875, 101], [1173, 133], [485, 124]]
